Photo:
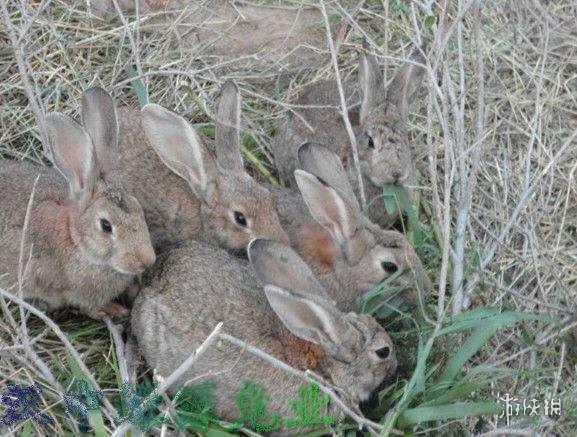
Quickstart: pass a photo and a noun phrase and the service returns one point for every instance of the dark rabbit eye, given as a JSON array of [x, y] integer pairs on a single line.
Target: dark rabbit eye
[[239, 218], [105, 226], [370, 142], [383, 352], [389, 267]]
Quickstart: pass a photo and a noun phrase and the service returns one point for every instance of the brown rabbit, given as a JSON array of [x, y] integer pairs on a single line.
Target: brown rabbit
[[185, 193], [195, 288], [348, 252], [380, 127], [86, 238]]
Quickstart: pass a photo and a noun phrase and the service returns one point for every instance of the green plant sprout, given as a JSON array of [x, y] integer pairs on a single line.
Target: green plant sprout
[[309, 407], [251, 400]]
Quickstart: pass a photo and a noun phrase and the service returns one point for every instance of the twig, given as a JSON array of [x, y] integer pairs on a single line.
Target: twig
[[18, 49], [362, 421], [174, 376], [344, 109], [50, 323], [119, 345]]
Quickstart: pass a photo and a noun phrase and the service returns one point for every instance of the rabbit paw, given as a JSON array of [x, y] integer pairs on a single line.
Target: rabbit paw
[[112, 309]]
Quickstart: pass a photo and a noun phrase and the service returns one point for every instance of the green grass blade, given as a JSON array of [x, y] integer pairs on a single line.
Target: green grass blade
[[448, 412], [137, 85], [476, 341], [27, 429], [95, 416]]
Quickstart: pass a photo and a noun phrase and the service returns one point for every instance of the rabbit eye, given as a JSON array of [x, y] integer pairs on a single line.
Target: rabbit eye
[[106, 226], [383, 353], [389, 267], [239, 218], [370, 142]]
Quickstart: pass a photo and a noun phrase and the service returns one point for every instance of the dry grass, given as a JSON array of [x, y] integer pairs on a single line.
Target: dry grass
[[493, 135]]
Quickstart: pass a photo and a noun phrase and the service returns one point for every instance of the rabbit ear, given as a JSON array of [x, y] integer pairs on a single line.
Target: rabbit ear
[[406, 83], [277, 264], [99, 120], [71, 151], [322, 162], [179, 147], [327, 206], [228, 128], [371, 81], [312, 320]]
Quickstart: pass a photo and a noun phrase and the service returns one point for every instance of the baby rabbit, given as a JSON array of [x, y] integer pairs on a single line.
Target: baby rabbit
[[86, 237], [380, 128], [195, 288], [185, 193], [348, 252]]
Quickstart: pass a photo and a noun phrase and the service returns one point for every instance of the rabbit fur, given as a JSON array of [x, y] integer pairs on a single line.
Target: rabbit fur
[[186, 193], [292, 318], [380, 126], [86, 237], [326, 227]]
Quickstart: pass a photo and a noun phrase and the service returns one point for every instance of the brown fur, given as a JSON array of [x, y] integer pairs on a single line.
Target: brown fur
[[179, 210], [283, 37], [69, 261], [192, 289], [353, 266], [382, 116]]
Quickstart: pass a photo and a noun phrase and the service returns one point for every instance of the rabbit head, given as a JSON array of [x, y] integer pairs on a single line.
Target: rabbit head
[[235, 208], [363, 254], [359, 352], [384, 150], [105, 222]]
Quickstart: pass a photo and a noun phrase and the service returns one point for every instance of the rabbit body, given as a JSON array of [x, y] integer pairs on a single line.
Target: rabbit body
[[57, 273], [86, 237], [327, 228], [379, 125], [195, 288], [172, 318], [185, 192]]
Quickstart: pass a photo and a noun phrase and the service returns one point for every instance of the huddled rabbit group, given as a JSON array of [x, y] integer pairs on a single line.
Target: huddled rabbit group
[[139, 191]]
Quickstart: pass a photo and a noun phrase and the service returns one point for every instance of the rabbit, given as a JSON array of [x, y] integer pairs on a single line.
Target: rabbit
[[186, 194], [86, 238], [292, 319], [326, 227], [380, 126]]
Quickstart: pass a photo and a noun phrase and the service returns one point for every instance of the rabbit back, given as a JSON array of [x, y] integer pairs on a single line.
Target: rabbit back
[[327, 125]]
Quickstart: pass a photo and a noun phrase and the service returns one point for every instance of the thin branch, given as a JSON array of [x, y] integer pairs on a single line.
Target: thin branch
[[19, 55], [344, 109], [166, 383], [307, 376], [50, 323]]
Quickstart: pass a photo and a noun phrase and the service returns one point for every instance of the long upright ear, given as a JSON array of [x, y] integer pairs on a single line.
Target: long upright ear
[[227, 132], [179, 147], [279, 265], [100, 121], [327, 206], [319, 323], [404, 86], [322, 162], [71, 152], [371, 81]]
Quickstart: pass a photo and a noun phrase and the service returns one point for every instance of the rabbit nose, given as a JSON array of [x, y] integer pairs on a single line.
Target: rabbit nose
[[147, 257], [396, 175]]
